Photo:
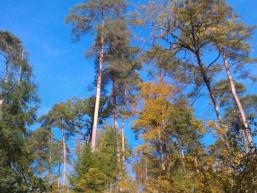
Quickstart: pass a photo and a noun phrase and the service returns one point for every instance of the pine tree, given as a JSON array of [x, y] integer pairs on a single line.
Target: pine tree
[[95, 14], [96, 171], [19, 103]]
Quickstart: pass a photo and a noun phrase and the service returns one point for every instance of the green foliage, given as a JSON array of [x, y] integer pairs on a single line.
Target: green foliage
[[18, 112], [89, 15], [96, 172]]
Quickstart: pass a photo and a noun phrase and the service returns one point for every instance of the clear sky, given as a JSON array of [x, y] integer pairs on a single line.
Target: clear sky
[[60, 68]]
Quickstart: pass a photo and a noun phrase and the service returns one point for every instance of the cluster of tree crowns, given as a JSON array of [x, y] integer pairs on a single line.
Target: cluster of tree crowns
[[189, 48]]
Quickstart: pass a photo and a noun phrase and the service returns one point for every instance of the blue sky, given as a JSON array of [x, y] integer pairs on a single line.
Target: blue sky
[[60, 68]]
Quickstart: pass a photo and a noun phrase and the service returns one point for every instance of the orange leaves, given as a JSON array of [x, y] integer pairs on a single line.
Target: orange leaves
[[156, 110]]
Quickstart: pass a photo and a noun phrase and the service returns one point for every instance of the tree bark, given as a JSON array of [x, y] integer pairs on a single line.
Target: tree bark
[[98, 89], [50, 160], [146, 170], [242, 116], [116, 127], [208, 85], [123, 138], [64, 159], [212, 96], [7, 71], [59, 178], [20, 67], [115, 119]]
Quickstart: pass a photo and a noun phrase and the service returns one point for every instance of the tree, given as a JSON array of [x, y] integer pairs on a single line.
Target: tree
[[18, 112], [68, 118], [233, 45], [96, 171], [84, 17], [47, 154], [11, 51], [121, 70], [190, 30], [171, 136]]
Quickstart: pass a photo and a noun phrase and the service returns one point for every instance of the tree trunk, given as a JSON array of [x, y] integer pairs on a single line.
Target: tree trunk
[[239, 106], [123, 138], [20, 67], [116, 127], [146, 170], [64, 159], [213, 99], [115, 119], [7, 71], [208, 85], [161, 151], [98, 89], [50, 160], [244, 140], [59, 178]]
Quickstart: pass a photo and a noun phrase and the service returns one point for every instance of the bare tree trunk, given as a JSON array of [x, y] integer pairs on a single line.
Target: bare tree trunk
[[115, 119], [146, 170], [64, 159], [7, 71], [208, 85], [123, 138], [50, 160], [161, 151], [212, 96], [242, 132], [98, 89], [116, 127], [59, 178], [20, 67], [239, 105]]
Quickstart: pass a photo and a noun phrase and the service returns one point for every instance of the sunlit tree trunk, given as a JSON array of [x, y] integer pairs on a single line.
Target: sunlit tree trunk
[[242, 116], [7, 71], [116, 127], [59, 178], [123, 138], [115, 119], [161, 151], [208, 85], [98, 88], [50, 160], [20, 67], [212, 96], [64, 159], [146, 170]]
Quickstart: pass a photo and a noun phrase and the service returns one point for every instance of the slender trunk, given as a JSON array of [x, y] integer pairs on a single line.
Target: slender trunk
[[59, 178], [98, 89], [146, 170], [116, 127], [89, 134], [7, 71], [20, 67], [50, 160], [208, 85], [244, 140], [123, 138], [64, 159], [115, 119], [239, 105], [161, 151], [212, 96]]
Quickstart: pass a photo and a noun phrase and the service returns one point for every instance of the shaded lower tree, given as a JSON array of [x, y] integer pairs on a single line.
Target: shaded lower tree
[[97, 171], [18, 107]]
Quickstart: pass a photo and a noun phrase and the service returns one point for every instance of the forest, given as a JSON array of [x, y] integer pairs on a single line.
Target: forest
[[170, 107]]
